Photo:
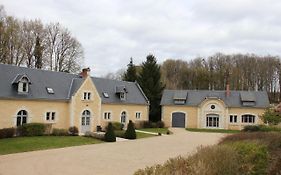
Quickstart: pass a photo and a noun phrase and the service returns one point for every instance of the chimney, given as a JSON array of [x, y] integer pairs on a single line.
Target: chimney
[[84, 72], [227, 90]]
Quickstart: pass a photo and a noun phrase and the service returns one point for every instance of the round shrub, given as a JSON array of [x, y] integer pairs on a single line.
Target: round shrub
[[251, 128], [160, 124], [109, 135], [117, 125], [31, 129], [73, 131], [7, 133], [130, 132], [59, 132]]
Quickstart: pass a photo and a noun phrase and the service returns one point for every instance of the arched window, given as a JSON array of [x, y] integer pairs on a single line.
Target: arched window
[[21, 117], [86, 115], [248, 118], [123, 117]]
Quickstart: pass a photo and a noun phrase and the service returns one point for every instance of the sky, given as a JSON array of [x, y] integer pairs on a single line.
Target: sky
[[112, 31]]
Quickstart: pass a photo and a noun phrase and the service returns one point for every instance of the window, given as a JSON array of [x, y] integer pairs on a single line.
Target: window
[[87, 96], [50, 90], [248, 118], [212, 121], [123, 118], [105, 94], [213, 106], [138, 115], [232, 118], [107, 115], [50, 116], [21, 117], [122, 96]]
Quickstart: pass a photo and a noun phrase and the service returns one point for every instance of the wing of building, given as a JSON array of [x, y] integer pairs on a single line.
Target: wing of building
[[213, 109], [64, 100]]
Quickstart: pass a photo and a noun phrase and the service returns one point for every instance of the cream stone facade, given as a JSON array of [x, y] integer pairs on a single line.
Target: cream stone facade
[[209, 109], [83, 100]]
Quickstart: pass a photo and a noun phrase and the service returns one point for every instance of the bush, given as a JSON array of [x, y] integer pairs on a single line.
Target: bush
[[7, 133], [109, 135], [59, 132], [73, 131], [32, 129], [271, 117], [160, 124], [120, 133], [130, 132], [117, 126], [251, 128]]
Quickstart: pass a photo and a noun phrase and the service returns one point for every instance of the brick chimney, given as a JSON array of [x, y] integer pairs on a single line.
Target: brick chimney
[[227, 92], [85, 72]]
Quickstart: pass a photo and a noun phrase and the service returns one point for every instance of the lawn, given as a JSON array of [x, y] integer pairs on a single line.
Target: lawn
[[23, 144], [213, 130], [139, 134], [156, 130]]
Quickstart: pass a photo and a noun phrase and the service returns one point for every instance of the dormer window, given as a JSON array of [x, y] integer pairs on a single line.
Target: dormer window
[[22, 82], [122, 96], [50, 90], [180, 97]]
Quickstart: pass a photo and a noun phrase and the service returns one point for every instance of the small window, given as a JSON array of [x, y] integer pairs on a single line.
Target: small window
[[233, 118], [87, 96], [105, 94], [50, 116], [107, 115], [50, 90], [213, 106], [138, 115], [122, 96]]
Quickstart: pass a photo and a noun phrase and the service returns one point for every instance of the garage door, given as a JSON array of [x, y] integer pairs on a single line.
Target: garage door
[[178, 119]]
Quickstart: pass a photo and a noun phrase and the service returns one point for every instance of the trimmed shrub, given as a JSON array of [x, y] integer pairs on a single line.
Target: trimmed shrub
[[109, 135], [59, 132], [130, 132], [117, 126], [73, 131], [147, 124], [7, 133], [31, 129], [251, 128], [120, 133], [160, 124]]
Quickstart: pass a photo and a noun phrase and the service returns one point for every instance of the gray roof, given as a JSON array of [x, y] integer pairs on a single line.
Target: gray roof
[[259, 99], [63, 84]]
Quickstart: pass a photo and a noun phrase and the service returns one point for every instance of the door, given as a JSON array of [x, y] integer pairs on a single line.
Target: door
[[212, 121], [178, 119], [86, 121], [123, 119]]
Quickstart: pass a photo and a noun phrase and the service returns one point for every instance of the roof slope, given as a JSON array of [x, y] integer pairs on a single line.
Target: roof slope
[[64, 86], [196, 97]]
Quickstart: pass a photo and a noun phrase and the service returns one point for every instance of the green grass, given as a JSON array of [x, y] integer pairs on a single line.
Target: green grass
[[213, 130], [156, 130], [24, 144], [139, 135]]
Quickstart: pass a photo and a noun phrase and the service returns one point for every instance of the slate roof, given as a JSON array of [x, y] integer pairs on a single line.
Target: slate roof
[[64, 85], [196, 97]]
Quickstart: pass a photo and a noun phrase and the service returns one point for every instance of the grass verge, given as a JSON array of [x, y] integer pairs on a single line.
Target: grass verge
[[155, 130], [24, 144]]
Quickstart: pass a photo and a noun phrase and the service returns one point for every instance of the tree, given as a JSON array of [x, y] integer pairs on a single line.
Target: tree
[[38, 51], [131, 73], [150, 82], [109, 134], [130, 132], [271, 117]]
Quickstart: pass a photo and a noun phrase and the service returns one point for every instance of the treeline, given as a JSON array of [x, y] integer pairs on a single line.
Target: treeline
[[240, 71], [33, 44]]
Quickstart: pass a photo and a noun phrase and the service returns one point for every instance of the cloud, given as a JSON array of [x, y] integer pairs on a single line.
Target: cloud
[[112, 31]]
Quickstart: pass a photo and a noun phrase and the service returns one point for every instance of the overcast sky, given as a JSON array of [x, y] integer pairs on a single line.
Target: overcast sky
[[112, 31]]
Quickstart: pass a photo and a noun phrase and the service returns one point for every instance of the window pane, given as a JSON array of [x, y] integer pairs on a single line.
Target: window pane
[[83, 121], [230, 118], [89, 96], [18, 121], [23, 120], [87, 120]]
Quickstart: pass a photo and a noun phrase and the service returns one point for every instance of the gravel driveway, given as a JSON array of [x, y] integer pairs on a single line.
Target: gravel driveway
[[106, 158]]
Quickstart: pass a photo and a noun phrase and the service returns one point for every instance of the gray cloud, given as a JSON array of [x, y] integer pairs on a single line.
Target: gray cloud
[[112, 31]]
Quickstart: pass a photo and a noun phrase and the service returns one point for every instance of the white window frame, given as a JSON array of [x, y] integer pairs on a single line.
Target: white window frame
[[138, 115], [247, 119], [122, 96], [233, 116], [107, 115], [52, 117], [86, 96]]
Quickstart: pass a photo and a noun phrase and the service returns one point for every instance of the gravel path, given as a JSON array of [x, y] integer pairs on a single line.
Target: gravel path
[[106, 158]]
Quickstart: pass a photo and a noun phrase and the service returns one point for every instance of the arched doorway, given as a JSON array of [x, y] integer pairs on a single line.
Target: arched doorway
[[123, 118], [86, 121], [22, 117], [178, 119]]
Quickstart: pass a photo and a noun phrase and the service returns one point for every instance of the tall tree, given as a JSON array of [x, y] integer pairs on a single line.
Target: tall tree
[[150, 81], [38, 51], [131, 73]]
